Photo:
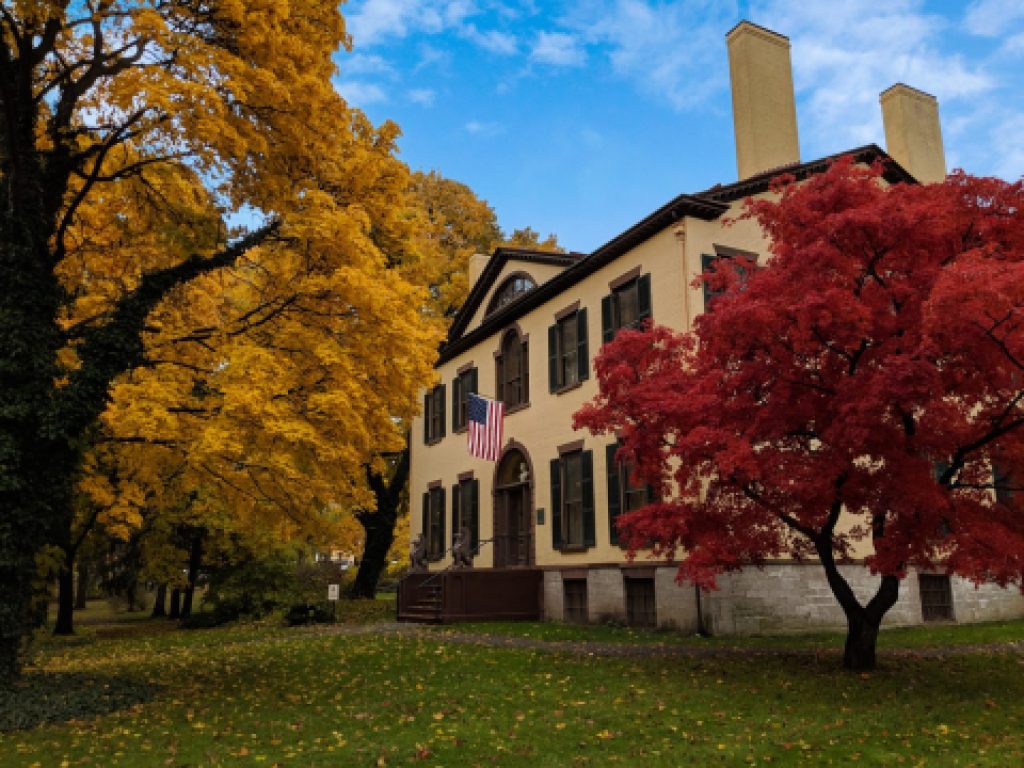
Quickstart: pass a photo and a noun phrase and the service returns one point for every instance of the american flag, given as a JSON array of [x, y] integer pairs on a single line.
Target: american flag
[[485, 421]]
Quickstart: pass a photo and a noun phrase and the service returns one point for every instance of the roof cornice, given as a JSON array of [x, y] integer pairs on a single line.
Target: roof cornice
[[707, 205], [671, 212]]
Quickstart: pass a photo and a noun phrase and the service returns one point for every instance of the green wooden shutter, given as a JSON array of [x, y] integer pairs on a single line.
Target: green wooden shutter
[[556, 503], [525, 363], [440, 406], [582, 352], [614, 490], [441, 507], [456, 512], [607, 327], [707, 264], [643, 297], [425, 528], [472, 505], [473, 385], [456, 396], [426, 416], [588, 498], [553, 377], [499, 378]]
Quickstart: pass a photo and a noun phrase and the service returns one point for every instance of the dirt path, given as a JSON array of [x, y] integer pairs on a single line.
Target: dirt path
[[649, 650]]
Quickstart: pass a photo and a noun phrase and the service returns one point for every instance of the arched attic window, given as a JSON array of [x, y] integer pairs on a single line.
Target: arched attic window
[[515, 285]]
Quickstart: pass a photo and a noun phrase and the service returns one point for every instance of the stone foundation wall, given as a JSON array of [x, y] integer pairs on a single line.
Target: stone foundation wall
[[784, 597]]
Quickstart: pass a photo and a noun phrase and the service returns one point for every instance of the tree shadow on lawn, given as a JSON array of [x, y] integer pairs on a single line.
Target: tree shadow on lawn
[[54, 697]]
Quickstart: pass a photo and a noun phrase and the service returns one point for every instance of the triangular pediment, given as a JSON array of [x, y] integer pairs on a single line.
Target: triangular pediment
[[506, 264]]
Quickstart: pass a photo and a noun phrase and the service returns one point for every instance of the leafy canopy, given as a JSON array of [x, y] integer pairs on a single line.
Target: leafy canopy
[[867, 384]]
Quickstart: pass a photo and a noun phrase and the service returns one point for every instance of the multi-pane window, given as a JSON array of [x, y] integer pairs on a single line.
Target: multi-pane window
[[568, 361], [708, 263], [433, 414], [936, 597], [513, 370], [510, 290], [1003, 484], [572, 500], [625, 494], [640, 607], [466, 510], [627, 306], [574, 600], [433, 523], [463, 386]]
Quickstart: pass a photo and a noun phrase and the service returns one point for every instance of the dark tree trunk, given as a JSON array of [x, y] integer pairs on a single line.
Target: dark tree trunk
[[195, 560], [862, 621], [379, 527], [160, 602], [82, 593], [175, 612], [65, 602], [380, 533], [861, 639]]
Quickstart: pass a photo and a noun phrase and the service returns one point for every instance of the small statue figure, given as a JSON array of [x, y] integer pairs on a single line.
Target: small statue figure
[[462, 549], [418, 555]]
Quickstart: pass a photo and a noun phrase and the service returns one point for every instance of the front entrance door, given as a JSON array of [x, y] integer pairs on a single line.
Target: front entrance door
[[513, 512], [512, 526]]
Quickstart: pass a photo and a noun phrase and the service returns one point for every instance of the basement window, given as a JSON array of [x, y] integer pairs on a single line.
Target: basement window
[[574, 596], [640, 610], [936, 597]]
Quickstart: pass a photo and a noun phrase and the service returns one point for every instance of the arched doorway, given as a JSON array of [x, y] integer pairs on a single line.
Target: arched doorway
[[513, 510]]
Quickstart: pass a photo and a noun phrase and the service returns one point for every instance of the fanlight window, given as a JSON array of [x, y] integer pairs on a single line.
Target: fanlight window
[[510, 290]]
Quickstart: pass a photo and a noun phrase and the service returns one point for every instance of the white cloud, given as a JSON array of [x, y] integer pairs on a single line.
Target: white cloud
[[558, 49], [359, 93], [422, 96], [432, 57], [492, 40], [372, 22], [1013, 46], [991, 17], [480, 128], [365, 64], [671, 50], [845, 54]]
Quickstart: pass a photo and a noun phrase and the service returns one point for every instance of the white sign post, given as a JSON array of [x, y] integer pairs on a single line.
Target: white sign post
[[333, 593]]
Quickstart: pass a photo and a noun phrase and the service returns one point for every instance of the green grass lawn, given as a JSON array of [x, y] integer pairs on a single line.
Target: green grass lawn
[[934, 635], [264, 695]]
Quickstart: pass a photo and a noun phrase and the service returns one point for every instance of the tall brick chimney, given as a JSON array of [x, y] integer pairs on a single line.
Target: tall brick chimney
[[913, 135], [763, 104]]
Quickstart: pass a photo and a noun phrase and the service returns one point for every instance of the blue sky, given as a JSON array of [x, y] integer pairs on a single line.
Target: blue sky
[[581, 117]]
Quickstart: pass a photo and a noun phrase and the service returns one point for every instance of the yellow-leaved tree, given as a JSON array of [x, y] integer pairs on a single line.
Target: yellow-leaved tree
[[206, 257]]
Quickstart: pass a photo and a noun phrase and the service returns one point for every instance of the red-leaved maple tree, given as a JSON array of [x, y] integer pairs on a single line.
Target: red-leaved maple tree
[[860, 396]]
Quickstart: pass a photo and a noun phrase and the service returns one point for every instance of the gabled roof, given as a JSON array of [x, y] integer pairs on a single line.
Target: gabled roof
[[499, 259], [707, 205], [755, 185]]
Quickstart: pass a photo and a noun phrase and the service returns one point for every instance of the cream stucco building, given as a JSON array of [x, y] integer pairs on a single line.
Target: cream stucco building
[[527, 335]]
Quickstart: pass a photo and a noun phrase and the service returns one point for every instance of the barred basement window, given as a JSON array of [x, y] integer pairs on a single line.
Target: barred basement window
[[640, 610], [574, 596], [936, 597]]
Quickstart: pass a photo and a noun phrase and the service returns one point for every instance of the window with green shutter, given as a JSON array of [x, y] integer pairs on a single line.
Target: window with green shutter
[[513, 370], [568, 354], [433, 523], [572, 501], [624, 493], [433, 414], [466, 510], [707, 265], [463, 385], [628, 306]]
